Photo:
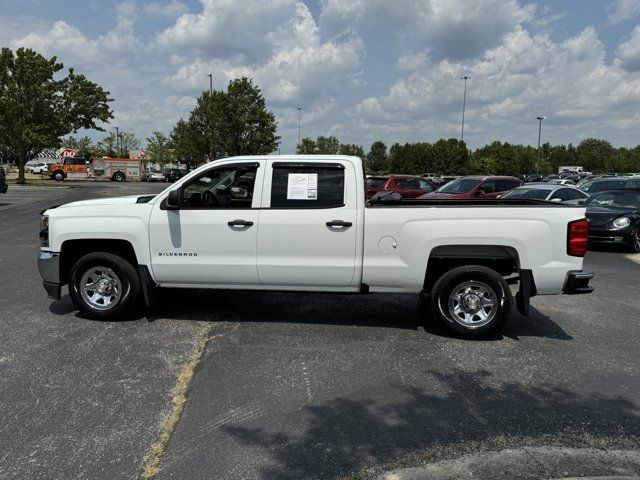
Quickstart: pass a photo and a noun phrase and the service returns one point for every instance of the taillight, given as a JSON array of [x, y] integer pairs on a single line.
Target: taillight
[[578, 238]]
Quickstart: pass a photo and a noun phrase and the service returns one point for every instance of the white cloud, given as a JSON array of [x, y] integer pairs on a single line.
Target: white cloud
[[170, 9], [629, 51], [623, 10], [454, 29]]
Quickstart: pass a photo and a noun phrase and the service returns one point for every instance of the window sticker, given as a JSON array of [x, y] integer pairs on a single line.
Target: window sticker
[[302, 186]]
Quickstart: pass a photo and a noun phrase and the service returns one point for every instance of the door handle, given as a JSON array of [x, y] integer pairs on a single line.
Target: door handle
[[240, 223], [339, 223]]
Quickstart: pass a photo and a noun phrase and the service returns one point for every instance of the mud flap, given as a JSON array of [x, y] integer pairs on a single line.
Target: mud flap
[[526, 291]]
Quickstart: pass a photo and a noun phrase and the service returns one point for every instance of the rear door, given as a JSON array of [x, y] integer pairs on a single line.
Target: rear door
[[308, 227]]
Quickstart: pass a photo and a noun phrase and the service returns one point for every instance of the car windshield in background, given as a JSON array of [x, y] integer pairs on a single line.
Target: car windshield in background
[[599, 186], [616, 199], [527, 193], [462, 185]]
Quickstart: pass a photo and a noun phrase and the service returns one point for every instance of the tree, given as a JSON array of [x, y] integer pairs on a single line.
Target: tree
[[306, 147], [38, 105], [185, 138], [327, 145], [594, 154], [159, 149], [377, 157], [351, 149], [84, 145], [120, 148]]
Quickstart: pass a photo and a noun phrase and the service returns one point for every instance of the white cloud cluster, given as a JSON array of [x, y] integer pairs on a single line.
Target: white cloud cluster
[[362, 69], [621, 10]]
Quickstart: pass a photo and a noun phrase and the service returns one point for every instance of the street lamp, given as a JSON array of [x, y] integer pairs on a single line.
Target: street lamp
[[118, 141], [210, 75], [299, 113], [539, 134], [464, 104]]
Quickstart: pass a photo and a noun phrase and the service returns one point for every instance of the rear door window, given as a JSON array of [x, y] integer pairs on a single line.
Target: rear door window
[[489, 186], [307, 185], [505, 185]]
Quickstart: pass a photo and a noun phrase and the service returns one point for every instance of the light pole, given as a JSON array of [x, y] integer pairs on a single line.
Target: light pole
[[539, 134], [464, 104], [118, 141], [299, 116], [210, 75]]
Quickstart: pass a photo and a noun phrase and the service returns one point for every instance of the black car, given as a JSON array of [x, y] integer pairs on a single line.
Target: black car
[[614, 218], [172, 174], [534, 177], [3, 181], [609, 183]]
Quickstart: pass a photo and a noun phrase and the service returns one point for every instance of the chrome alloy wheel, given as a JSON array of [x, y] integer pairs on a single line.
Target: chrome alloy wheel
[[473, 304], [101, 288], [635, 242]]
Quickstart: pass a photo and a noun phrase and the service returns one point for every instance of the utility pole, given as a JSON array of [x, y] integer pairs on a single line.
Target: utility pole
[[464, 104], [117, 142], [210, 75], [299, 139], [539, 134]]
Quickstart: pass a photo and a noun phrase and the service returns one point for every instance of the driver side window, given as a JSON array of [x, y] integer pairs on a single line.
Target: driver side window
[[230, 187]]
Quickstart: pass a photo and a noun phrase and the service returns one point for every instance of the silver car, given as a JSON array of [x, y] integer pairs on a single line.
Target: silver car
[[551, 192]]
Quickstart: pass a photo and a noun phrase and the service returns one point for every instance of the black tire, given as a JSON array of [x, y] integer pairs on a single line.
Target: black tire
[[479, 284], [118, 177], [130, 290], [58, 175], [634, 246]]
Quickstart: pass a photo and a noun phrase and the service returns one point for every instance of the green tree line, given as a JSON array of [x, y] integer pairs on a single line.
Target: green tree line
[[452, 157]]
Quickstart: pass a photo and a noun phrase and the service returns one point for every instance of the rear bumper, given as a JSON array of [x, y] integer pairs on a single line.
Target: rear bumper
[[4, 188], [578, 283], [49, 267]]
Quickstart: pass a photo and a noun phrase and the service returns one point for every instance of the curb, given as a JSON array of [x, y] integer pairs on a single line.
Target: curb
[[529, 463]]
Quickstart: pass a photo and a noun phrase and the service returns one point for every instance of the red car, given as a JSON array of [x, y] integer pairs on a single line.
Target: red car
[[474, 187], [408, 186]]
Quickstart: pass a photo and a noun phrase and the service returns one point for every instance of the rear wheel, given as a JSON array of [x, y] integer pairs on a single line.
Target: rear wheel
[[471, 301], [104, 286], [118, 177], [58, 175]]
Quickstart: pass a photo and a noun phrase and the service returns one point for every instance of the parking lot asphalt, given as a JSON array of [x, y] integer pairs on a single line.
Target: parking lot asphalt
[[298, 385]]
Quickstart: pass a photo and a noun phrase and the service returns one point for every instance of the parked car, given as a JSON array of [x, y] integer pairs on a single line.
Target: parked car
[[547, 191], [3, 181], [534, 177], [408, 186], [156, 176], [563, 181], [40, 167], [614, 218], [307, 229], [144, 175], [474, 187], [172, 174], [609, 183], [550, 177]]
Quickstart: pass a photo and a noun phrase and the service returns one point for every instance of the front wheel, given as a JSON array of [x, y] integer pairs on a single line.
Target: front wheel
[[58, 175], [118, 177], [472, 301], [104, 286], [635, 241]]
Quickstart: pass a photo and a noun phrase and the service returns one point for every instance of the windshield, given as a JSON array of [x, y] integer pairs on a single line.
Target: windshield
[[527, 193], [602, 185], [462, 185], [616, 199]]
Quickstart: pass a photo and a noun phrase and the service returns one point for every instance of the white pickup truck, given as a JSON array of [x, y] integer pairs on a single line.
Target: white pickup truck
[[302, 223]]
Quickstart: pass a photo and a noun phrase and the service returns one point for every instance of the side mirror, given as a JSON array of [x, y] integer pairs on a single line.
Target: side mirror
[[557, 200], [173, 200], [480, 192], [582, 202]]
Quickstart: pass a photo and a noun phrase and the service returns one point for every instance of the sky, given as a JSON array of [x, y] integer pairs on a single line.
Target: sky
[[362, 70]]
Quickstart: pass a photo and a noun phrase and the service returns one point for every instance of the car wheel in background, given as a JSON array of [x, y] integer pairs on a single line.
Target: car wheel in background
[[58, 175], [635, 241], [118, 177], [104, 286], [471, 301]]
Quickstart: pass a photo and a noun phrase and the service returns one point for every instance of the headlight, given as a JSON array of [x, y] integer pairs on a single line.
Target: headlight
[[44, 230], [621, 222]]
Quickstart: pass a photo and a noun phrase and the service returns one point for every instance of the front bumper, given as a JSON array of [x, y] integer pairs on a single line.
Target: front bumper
[[578, 283], [4, 188], [49, 267], [614, 236]]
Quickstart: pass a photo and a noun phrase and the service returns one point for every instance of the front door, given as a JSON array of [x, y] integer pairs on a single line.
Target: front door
[[308, 230], [211, 239]]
